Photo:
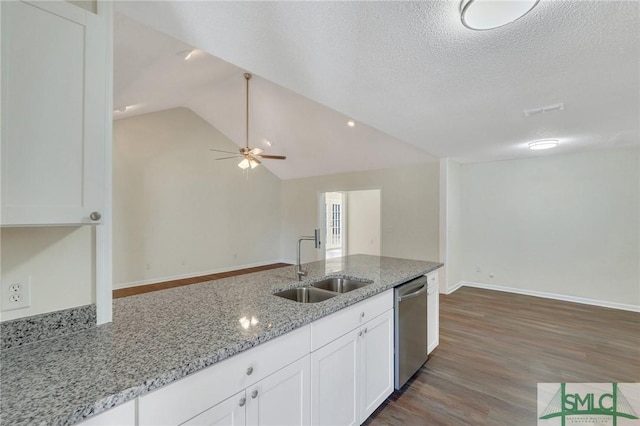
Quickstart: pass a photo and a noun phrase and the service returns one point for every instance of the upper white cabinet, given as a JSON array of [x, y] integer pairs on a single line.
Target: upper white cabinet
[[54, 113]]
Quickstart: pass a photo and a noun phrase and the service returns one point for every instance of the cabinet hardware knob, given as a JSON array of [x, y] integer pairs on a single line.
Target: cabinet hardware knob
[[243, 401], [249, 371], [360, 334], [365, 330], [95, 216], [362, 315], [254, 394]]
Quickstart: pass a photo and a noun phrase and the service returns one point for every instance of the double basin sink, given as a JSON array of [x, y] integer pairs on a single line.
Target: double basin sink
[[322, 290]]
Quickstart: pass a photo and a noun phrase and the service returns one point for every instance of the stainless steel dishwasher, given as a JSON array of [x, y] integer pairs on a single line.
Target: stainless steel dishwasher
[[410, 329]]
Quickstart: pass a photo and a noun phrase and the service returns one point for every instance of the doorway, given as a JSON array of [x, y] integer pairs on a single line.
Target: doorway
[[351, 223]]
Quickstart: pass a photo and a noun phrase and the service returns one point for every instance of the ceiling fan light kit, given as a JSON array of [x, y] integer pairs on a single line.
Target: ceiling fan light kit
[[490, 14], [249, 156]]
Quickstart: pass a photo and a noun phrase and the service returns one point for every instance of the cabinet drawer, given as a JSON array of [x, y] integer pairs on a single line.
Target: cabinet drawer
[[190, 396], [335, 325]]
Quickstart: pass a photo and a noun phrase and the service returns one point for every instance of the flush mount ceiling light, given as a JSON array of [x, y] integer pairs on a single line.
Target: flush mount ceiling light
[[544, 144], [490, 14], [249, 155], [351, 123]]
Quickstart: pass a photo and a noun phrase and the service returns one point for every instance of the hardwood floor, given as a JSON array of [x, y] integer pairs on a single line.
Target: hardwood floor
[[494, 349], [130, 291]]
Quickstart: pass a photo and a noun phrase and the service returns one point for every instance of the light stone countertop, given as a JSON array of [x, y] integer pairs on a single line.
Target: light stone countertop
[[157, 338]]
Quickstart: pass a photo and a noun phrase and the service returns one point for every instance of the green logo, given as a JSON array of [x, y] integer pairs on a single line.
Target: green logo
[[587, 403]]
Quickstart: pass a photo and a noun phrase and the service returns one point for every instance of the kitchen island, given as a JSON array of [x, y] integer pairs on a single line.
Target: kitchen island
[[158, 338]]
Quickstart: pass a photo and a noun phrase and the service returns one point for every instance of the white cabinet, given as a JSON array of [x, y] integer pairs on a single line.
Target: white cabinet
[[352, 374], [335, 384], [279, 399], [122, 415], [273, 378], [230, 412], [433, 312], [54, 112], [376, 363], [283, 398]]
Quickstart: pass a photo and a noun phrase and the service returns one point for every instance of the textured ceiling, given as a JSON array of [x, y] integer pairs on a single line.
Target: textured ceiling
[[413, 71]]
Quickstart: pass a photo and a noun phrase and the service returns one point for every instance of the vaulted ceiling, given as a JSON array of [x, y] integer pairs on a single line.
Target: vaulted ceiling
[[416, 81]]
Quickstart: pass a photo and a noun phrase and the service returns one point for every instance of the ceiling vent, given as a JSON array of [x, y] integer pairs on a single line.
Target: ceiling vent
[[543, 110]]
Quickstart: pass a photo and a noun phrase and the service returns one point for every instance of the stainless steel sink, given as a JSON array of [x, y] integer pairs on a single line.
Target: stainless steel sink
[[339, 285], [306, 295]]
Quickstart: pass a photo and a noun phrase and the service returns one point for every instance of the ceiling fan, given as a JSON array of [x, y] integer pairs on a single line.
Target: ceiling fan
[[250, 156]]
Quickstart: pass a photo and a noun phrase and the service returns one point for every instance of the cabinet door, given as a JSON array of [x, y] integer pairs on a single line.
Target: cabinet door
[[282, 398], [230, 412], [433, 316], [53, 113], [376, 363], [334, 391]]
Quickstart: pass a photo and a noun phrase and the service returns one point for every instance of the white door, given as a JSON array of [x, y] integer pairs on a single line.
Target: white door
[[282, 398], [230, 412], [335, 237], [334, 391], [376, 363], [53, 113]]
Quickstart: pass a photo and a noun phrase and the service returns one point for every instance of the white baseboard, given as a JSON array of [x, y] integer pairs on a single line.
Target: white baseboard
[[454, 287], [192, 274], [555, 296]]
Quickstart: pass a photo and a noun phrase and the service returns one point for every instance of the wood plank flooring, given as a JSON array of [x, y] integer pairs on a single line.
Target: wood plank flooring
[[130, 291], [494, 349]]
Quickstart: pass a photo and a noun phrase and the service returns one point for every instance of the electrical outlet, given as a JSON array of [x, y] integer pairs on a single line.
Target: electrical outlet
[[16, 293]]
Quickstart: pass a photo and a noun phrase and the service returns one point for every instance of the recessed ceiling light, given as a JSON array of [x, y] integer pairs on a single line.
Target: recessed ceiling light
[[490, 14], [544, 144], [351, 123], [267, 142]]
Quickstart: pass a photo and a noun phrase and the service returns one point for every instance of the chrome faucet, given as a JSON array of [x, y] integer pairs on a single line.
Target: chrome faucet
[[316, 239]]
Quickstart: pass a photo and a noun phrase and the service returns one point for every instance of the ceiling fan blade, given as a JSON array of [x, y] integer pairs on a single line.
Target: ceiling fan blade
[[226, 158], [256, 151], [273, 157], [219, 150]]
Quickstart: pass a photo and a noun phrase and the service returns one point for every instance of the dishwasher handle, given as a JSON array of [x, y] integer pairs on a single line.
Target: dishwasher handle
[[422, 290]]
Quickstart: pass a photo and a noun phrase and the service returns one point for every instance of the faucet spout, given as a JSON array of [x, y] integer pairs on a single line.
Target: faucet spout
[[317, 243]]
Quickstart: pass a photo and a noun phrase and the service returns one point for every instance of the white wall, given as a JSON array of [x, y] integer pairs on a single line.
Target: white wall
[[363, 222], [177, 211], [566, 224], [60, 261], [409, 213]]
